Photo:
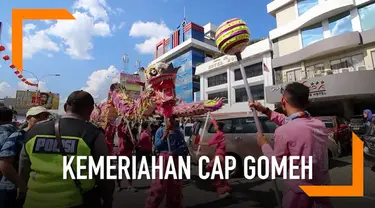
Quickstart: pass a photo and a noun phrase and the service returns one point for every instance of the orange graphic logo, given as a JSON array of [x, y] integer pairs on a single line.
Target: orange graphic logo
[[356, 189], [18, 15]]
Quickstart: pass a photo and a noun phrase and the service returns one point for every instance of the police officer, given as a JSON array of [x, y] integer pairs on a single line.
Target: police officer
[[41, 164]]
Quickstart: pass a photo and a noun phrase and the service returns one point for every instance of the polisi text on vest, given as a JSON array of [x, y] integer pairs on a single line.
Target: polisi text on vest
[[50, 145]]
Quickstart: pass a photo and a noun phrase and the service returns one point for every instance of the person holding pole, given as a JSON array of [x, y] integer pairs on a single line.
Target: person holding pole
[[169, 142], [125, 148], [298, 134], [221, 185]]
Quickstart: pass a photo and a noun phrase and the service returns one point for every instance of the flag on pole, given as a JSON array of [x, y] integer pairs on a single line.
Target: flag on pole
[[265, 68]]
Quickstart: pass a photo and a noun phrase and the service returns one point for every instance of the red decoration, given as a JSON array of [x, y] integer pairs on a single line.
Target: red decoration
[[12, 66], [6, 57], [2, 48]]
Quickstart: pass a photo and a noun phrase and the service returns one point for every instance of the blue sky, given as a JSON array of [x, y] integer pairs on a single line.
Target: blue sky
[[88, 52]]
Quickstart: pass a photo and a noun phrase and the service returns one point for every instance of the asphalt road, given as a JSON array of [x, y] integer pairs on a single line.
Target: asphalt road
[[250, 193]]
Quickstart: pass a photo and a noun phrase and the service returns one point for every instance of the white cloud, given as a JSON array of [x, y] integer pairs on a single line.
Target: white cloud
[[6, 90], [96, 8], [10, 31], [122, 25], [37, 42], [29, 27], [99, 81], [1, 66], [61, 110], [152, 31], [91, 20], [48, 22], [118, 27], [77, 34], [119, 10], [50, 55]]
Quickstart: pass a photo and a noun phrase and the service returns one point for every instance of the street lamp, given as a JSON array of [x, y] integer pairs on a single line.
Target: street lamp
[[40, 79]]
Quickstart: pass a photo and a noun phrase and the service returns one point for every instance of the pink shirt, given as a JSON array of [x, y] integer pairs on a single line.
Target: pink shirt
[[145, 143], [219, 140], [301, 137]]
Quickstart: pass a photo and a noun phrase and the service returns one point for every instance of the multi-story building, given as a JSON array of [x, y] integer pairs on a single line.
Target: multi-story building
[[330, 46], [187, 47], [222, 77]]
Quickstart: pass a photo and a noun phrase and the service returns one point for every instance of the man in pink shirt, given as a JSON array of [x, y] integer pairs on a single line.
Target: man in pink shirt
[[145, 143], [298, 134]]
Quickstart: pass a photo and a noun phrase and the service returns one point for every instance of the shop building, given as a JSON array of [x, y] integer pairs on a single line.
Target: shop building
[[187, 47], [221, 77], [330, 46]]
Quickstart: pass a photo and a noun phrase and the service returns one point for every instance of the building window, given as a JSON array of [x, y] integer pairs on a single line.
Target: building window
[[217, 80], [373, 59], [305, 5], [251, 71], [278, 77], [312, 34], [340, 24], [227, 128], [244, 126], [223, 94], [348, 64], [314, 71], [167, 48], [187, 35], [159, 51], [257, 92], [367, 15], [295, 75]]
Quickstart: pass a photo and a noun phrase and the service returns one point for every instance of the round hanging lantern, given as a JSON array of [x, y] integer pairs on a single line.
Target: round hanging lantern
[[2, 48], [12, 66], [6, 57]]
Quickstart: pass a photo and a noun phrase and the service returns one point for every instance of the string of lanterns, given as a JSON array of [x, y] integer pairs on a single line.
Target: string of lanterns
[[16, 72]]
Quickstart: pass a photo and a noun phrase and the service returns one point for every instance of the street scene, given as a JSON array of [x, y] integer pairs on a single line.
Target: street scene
[[285, 83]]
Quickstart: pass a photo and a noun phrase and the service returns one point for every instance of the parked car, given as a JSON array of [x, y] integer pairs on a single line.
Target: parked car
[[188, 131], [241, 139], [369, 148], [342, 134]]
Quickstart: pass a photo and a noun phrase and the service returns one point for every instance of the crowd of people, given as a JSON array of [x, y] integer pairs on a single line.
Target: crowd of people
[[31, 166]]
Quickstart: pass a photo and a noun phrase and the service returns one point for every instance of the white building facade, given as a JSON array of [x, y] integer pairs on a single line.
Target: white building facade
[[325, 44], [221, 77]]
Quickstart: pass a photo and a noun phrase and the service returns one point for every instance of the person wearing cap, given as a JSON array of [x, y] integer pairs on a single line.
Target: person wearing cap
[[42, 166], [35, 115]]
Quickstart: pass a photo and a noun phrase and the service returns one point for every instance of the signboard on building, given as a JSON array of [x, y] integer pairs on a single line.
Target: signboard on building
[[222, 61], [328, 86], [317, 88], [28, 99], [130, 81]]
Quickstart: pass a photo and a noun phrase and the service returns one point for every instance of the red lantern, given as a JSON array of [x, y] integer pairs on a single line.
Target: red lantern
[[6, 57], [12, 66], [2, 48]]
